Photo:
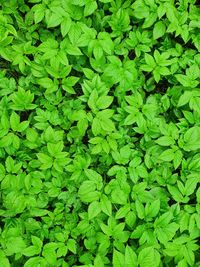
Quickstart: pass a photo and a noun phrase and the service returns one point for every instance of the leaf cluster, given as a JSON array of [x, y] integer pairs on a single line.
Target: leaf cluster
[[99, 133]]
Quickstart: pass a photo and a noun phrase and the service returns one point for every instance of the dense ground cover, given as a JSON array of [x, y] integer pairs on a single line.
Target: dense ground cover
[[99, 133]]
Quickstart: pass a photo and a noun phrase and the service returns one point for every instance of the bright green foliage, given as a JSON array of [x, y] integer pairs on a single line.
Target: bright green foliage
[[99, 133]]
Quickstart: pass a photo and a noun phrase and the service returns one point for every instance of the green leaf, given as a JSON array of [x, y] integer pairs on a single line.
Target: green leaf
[[39, 14], [192, 139], [71, 245], [140, 209], [107, 125], [14, 121], [190, 185], [15, 245], [106, 205], [159, 29], [167, 232], [54, 20], [122, 212], [31, 251], [55, 149], [152, 209], [106, 229], [163, 220], [98, 261], [156, 74], [87, 192], [175, 193], [165, 141], [150, 60], [118, 259], [94, 209], [130, 257], [45, 160], [186, 81], [94, 176], [49, 253], [195, 104], [167, 155], [3, 259], [32, 262], [177, 158], [96, 126], [185, 98], [37, 242], [104, 102], [65, 26], [149, 257], [90, 7], [23, 126]]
